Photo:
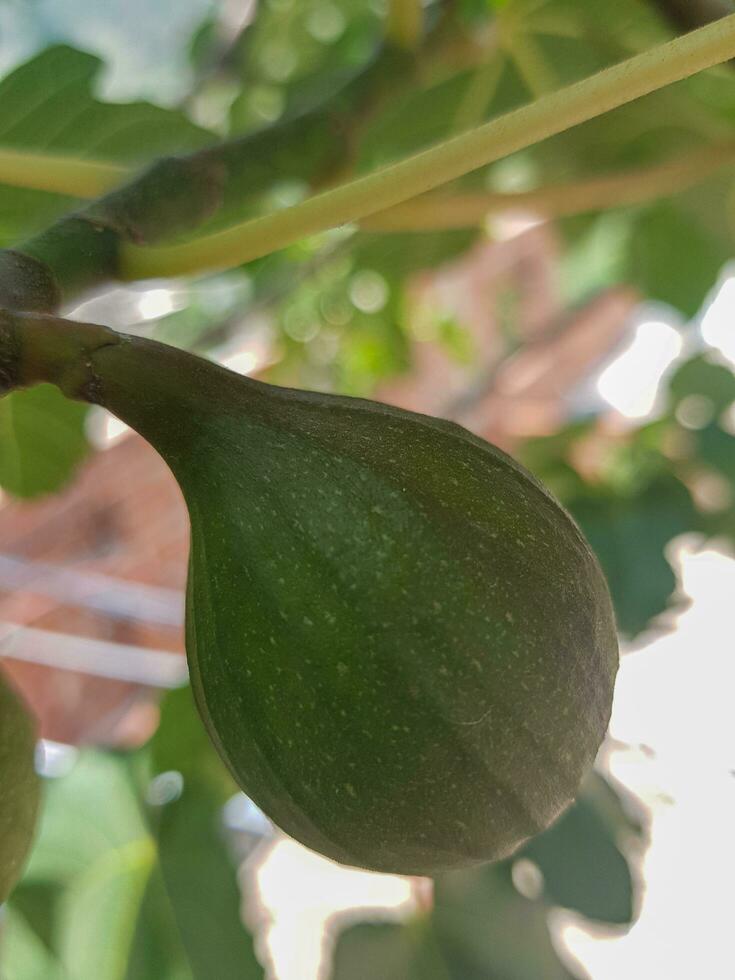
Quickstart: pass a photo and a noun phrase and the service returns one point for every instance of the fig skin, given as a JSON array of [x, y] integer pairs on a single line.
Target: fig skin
[[400, 643]]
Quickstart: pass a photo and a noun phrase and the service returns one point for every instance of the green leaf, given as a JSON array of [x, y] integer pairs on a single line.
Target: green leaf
[[398, 255], [88, 872], [488, 929], [109, 898], [597, 254], [389, 951], [295, 48], [702, 394], [34, 902], [24, 954], [36, 98], [157, 951], [181, 744], [200, 878], [197, 869], [580, 858], [49, 105], [97, 915], [629, 532], [42, 440], [673, 258], [78, 826], [717, 449], [700, 376]]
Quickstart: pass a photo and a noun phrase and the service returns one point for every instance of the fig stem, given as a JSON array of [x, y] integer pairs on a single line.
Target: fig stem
[[37, 347]]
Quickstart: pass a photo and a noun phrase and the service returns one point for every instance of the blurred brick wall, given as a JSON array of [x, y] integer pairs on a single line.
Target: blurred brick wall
[[123, 516]]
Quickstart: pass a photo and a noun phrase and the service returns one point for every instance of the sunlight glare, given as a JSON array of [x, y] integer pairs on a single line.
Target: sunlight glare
[[717, 320], [155, 303], [630, 383]]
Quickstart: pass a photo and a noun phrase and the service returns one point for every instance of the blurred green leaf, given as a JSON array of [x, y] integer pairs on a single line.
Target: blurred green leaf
[[93, 898], [198, 871], [488, 929], [702, 395], [396, 256], [157, 951], [629, 532], [42, 440], [389, 951], [98, 912], [701, 376], [78, 826], [36, 98], [717, 449], [24, 954], [87, 873], [580, 858], [596, 256], [200, 878], [674, 259], [181, 744], [35, 902]]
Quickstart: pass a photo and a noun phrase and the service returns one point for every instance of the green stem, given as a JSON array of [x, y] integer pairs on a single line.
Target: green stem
[[547, 116], [59, 174], [35, 348], [442, 212]]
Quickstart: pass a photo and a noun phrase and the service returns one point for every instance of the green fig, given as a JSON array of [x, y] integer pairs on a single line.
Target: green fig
[[20, 787], [400, 643]]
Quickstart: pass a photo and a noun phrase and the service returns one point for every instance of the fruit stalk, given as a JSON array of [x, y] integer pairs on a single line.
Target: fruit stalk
[[37, 348]]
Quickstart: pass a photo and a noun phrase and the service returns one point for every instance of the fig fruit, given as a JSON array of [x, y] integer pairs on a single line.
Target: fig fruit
[[399, 642], [20, 787]]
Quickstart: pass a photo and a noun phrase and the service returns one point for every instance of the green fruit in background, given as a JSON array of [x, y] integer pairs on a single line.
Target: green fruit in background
[[19, 795], [399, 642]]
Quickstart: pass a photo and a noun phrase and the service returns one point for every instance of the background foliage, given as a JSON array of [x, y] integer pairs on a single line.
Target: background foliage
[[155, 874]]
